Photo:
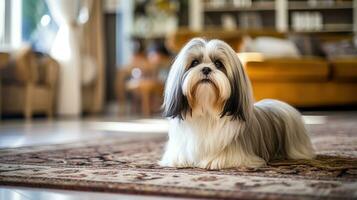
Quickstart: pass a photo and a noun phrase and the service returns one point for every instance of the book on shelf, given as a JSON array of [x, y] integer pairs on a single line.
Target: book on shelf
[[250, 20]]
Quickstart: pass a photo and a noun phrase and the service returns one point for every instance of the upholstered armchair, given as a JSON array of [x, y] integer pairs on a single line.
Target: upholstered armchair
[[29, 83]]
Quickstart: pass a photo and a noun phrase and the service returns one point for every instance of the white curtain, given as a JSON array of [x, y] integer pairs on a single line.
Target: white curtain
[[2, 22], [66, 50]]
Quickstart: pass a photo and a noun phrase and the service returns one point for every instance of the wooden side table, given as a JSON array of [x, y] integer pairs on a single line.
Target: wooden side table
[[145, 89]]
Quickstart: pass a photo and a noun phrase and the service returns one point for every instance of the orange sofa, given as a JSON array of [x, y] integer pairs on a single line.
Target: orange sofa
[[28, 83], [302, 82]]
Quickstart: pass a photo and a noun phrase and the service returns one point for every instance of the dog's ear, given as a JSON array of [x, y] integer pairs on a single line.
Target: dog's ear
[[240, 104], [175, 103]]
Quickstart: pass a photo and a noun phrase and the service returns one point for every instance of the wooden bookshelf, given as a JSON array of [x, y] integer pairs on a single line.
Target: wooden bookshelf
[[304, 5], [337, 16], [260, 14], [256, 6]]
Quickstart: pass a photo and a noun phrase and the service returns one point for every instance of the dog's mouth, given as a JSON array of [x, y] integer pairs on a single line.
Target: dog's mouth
[[206, 80]]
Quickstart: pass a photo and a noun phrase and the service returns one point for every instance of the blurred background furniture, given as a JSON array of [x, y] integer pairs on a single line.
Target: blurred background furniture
[[305, 82], [29, 83], [139, 82], [142, 80], [71, 32], [321, 71], [281, 15], [4, 59], [316, 77]]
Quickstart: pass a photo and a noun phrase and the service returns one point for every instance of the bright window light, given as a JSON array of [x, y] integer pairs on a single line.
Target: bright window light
[[157, 126], [16, 30], [136, 73], [2, 22], [45, 20]]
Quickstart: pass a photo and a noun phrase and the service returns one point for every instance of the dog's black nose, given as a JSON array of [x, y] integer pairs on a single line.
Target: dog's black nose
[[206, 70]]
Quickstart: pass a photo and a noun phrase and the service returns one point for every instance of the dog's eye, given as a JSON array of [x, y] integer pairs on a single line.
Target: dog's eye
[[218, 64], [194, 63]]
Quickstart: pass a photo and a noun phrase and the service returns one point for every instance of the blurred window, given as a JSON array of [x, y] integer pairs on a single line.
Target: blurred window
[[38, 28], [9, 17], [26, 21]]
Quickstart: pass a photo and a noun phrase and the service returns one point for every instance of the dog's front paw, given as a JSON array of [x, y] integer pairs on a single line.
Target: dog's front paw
[[253, 162], [173, 163], [213, 164], [223, 163]]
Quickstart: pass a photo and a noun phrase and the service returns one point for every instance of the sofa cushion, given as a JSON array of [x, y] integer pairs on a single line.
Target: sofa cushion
[[308, 45], [344, 69], [288, 69], [282, 47]]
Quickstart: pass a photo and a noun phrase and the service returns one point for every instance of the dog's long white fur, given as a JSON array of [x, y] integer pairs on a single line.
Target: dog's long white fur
[[205, 139]]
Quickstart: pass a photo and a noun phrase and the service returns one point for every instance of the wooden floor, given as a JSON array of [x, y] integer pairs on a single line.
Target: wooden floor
[[17, 133]]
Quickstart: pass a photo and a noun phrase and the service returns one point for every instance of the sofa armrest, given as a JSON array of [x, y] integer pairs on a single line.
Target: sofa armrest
[[344, 69], [26, 69]]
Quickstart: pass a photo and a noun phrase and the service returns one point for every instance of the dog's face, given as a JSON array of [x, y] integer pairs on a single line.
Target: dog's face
[[207, 78]]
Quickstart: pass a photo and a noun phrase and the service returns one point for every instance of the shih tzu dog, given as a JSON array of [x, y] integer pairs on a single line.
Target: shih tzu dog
[[214, 122]]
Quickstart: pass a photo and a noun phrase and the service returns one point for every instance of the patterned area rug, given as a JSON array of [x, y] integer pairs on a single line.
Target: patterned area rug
[[128, 165]]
